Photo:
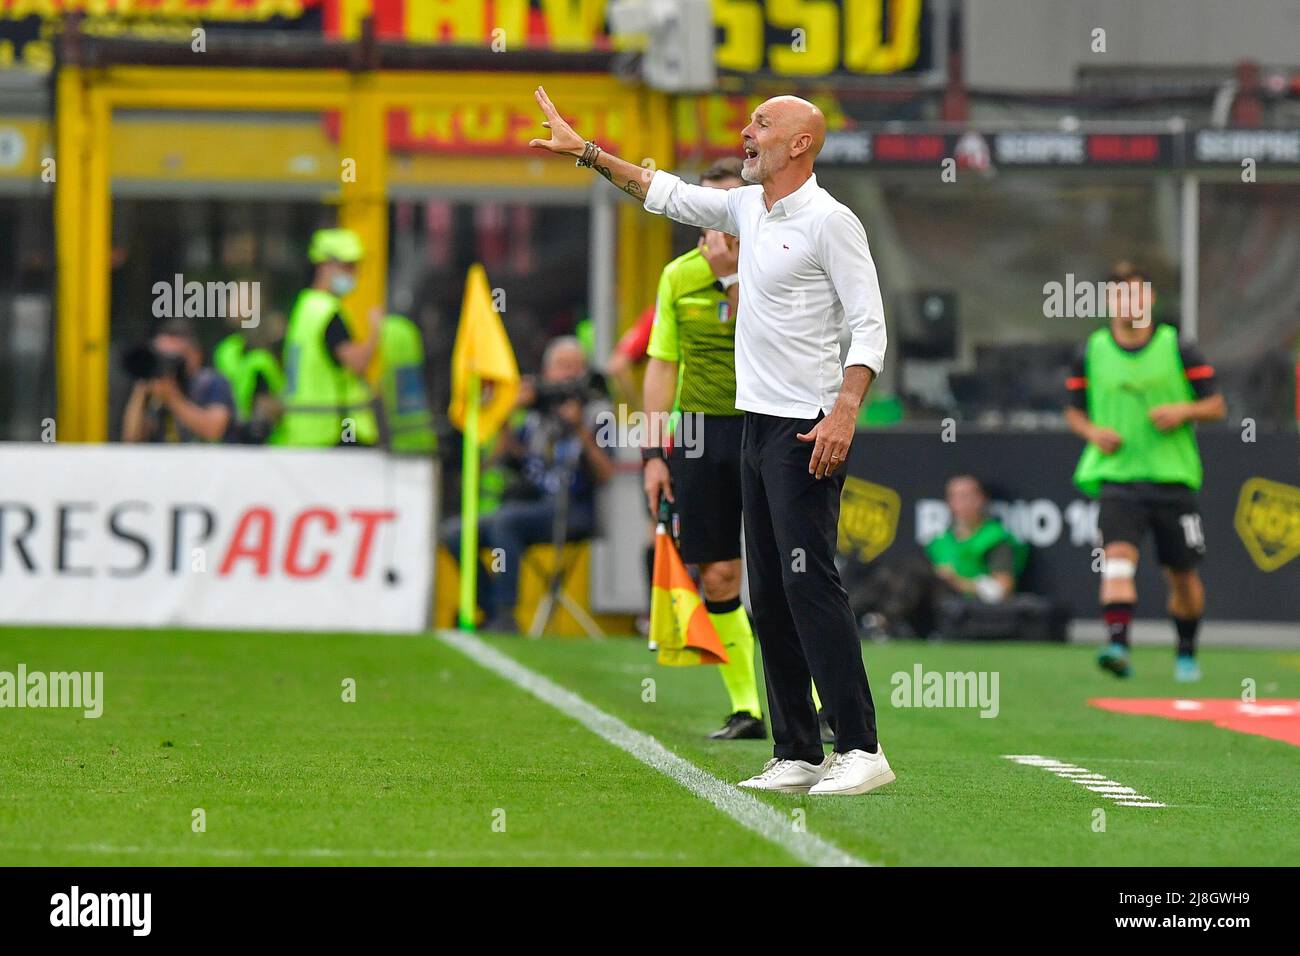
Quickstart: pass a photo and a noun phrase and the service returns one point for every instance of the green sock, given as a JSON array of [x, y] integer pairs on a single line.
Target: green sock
[[732, 624], [817, 701]]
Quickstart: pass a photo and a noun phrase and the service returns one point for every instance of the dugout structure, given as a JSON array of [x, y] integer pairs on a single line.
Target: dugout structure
[[359, 82]]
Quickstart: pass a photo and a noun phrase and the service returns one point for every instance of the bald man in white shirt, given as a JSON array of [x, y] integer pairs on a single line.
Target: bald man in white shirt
[[806, 276]]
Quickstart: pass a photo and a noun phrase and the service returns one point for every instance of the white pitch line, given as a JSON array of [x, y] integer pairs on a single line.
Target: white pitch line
[[748, 811], [318, 852], [1095, 782]]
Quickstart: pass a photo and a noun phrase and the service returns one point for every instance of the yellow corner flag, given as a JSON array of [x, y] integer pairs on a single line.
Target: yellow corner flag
[[679, 622], [482, 355]]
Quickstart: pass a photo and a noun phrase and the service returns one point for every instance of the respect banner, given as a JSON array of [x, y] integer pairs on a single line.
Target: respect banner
[[214, 536]]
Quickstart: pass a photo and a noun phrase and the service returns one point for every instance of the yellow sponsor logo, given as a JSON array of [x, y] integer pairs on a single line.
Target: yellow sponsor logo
[[868, 518], [1268, 522]]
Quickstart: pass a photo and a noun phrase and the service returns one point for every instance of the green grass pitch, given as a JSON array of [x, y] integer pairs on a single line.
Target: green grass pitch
[[441, 762]]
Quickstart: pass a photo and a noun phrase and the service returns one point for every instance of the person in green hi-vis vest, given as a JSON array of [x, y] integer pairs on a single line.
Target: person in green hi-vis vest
[[1135, 393], [406, 399], [256, 380], [326, 399]]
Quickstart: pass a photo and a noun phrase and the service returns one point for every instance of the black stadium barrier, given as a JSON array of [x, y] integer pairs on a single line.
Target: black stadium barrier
[[1250, 508]]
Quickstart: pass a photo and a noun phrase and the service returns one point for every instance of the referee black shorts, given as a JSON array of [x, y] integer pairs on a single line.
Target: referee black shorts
[[1169, 511], [706, 512]]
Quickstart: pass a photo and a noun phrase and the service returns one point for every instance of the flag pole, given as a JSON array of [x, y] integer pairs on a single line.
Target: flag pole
[[469, 507]]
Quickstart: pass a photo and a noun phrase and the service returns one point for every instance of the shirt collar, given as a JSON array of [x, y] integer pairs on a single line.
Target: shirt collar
[[789, 205]]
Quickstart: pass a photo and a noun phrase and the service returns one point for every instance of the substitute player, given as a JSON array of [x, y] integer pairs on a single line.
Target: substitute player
[[1135, 392], [693, 359]]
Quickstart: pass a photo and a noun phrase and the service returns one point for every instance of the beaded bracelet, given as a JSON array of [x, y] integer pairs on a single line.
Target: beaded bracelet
[[589, 153]]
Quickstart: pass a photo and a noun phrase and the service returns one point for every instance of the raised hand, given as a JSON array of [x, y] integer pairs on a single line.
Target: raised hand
[[563, 139], [632, 179], [721, 251]]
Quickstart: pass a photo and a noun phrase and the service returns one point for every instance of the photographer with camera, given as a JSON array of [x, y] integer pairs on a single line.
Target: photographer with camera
[[175, 398], [558, 465]]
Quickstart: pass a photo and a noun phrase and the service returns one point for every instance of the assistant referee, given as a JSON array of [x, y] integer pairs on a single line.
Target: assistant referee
[[805, 275], [692, 369]]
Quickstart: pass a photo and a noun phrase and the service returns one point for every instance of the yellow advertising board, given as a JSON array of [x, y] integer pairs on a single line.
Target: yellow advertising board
[[782, 38]]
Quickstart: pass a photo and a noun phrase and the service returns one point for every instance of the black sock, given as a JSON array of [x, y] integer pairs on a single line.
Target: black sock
[[1187, 628], [722, 607], [1118, 616]]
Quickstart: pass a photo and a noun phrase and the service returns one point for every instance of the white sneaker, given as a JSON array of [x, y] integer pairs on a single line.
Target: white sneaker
[[854, 772], [786, 776]]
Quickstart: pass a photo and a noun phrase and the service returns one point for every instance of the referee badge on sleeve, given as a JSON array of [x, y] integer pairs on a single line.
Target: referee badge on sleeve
[[724, 312]]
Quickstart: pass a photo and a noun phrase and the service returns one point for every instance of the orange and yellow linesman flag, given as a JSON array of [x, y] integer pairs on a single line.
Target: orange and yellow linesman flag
[[679, 622], [482, 351]]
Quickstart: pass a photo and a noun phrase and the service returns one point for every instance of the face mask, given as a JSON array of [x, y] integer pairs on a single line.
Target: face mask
[[342, 283]]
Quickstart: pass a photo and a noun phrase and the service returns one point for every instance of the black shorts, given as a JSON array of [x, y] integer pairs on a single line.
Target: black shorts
[[1169, 511], [706, 513]]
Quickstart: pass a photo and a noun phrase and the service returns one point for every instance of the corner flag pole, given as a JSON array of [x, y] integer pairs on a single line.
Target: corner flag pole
[[469, 508]]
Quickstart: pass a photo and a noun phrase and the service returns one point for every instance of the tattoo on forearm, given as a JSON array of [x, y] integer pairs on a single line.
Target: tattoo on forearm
[[633, 188]]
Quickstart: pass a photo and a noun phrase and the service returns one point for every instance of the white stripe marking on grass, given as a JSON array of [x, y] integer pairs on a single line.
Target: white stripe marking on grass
[[1122, 795], [335, 853], [750, 812]]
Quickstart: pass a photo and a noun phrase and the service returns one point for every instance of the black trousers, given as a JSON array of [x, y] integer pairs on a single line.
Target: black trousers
[[801, 611]]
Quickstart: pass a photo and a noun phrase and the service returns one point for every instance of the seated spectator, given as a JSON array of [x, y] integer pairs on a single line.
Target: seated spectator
[[181, 399], [976, 556], [972, 565], [557, 464]]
